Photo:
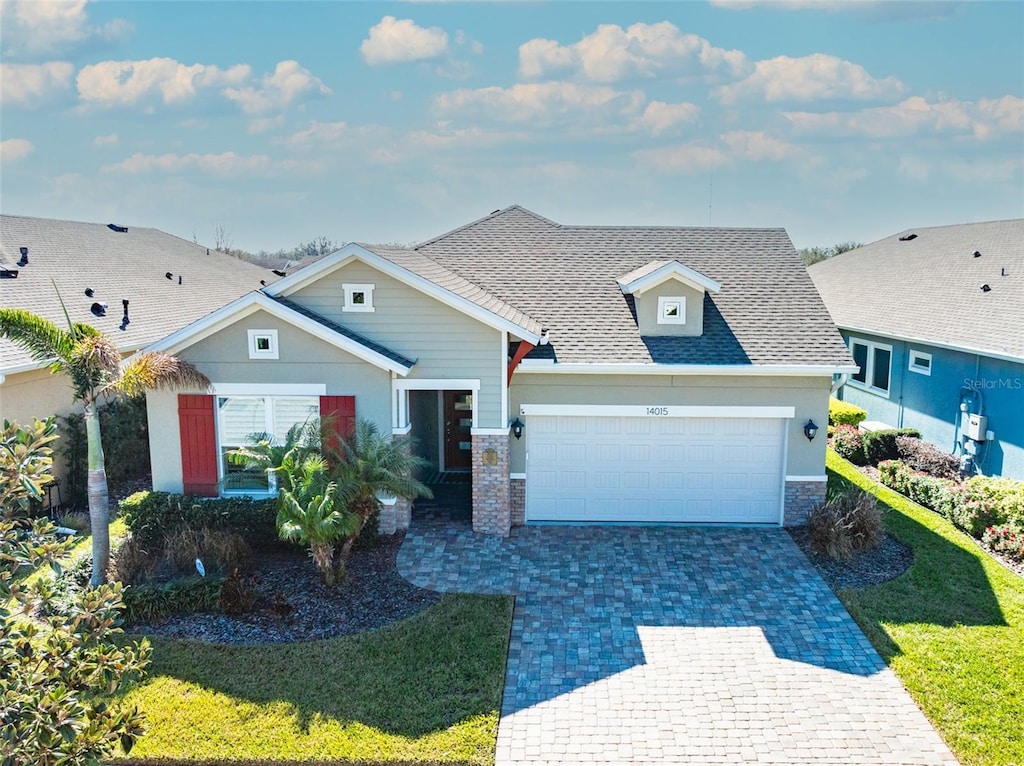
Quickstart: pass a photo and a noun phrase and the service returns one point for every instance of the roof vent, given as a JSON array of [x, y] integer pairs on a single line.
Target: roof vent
[[24, 257], [118, 229], [8, 273], [977, 254], [125, 321], [985, 288], [908, 237], [169, 275], [89, 292], [1003, 272], [279, 272], [99, 309]]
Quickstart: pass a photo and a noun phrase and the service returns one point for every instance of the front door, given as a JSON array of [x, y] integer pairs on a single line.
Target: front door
[[458, 425]]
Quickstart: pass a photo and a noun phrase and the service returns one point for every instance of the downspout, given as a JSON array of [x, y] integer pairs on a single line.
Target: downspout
[[839, 382]]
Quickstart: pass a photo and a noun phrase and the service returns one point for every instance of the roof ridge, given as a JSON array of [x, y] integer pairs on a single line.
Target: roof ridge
[[501, 211], [69, 220], [952, 226]]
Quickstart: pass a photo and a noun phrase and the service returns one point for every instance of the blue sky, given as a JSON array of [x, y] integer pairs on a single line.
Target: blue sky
[[383, 122]]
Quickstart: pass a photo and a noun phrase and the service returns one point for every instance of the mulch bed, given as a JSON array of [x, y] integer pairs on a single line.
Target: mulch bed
[[294, 605], [886, 562]]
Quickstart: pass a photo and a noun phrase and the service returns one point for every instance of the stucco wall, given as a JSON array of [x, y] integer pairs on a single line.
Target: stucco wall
[[808, 395], [444, 342], [647, 310], [37, 394], [224, 358], [931, 403]]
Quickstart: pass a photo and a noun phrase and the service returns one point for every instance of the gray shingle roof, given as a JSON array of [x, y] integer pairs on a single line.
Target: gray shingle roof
[[565, 277], [341, 330], [929, 288], [115, 265]]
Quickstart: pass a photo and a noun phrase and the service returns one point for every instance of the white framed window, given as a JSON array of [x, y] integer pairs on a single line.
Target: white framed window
[[920, 362], [263, 344], [357, 297], [241, 420], [671, 309], [875, 363]]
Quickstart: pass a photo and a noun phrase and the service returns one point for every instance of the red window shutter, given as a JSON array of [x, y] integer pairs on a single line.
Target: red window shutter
[[341, 410], [198, 444]]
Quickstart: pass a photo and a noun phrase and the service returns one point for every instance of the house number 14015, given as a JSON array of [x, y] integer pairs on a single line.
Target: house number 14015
[[657, 410]]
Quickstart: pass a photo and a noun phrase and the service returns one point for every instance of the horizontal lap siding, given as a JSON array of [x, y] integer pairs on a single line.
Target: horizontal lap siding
[[444, 342]]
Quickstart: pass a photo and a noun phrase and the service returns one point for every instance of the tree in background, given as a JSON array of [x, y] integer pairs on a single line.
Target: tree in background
[[93, 364], [812, 255]]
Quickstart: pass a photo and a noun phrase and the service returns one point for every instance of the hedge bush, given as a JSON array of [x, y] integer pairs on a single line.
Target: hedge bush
[[193, 594], [930, 491], [842, 413], [925, 457], [849, 443], [154, 516], [1007, 540], [881, 445]]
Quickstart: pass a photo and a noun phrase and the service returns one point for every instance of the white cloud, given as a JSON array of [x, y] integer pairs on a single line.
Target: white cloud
[[541, 103], [289, 82], [124, 83], [818, 76], [394, 41], [28, 84], [38, 27], [914, 168], [757, 146], [735, 146], [225, 165], [14, 149], [319, 133], [982, 119], [111, 139], [611, 53], [685, 158], [659, 117]]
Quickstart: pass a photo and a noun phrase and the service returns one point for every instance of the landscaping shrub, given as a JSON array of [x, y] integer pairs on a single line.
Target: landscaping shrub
[[848, 522], [894, 474], [881, 445], [929, 491], [1007, 540], [193, 594], [848, 442], [237, 594], [986, 501], [925, 457], [154, 516], [842, 413], [221, 551]]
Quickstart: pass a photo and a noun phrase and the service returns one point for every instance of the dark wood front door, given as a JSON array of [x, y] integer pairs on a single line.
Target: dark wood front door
[[458, 425]]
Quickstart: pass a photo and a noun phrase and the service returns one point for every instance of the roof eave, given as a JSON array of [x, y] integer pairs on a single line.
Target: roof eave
[[602, 368], [1002, 355], [670, 270]]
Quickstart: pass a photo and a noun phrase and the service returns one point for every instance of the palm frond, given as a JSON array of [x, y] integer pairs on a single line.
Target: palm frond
[[40, 337], [154, 369]]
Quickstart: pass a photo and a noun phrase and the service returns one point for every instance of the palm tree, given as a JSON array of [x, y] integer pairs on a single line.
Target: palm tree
[[281, 459], [370, 464], [92, 362]]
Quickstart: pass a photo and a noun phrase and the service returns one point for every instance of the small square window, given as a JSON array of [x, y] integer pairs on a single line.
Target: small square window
[[671, 310], [263, 344], [358, 297], [920, 362]]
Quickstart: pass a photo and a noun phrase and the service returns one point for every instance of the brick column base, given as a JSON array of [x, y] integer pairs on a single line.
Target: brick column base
[[491, 496], [801, 497], [387, 519], [403, 513], [517, 487]]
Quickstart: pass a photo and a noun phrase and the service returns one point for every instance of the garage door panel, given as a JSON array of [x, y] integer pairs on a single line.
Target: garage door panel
[[572, 453], [607, 453], [636, 479], [636, 426], [636, 453], [607, 480]]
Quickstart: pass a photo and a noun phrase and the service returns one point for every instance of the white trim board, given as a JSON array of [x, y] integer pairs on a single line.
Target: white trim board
[[489, 431], [252, 302], [656, 411], [269, 389], [437, 384], [352, 252], [670, 270], [547, 368], [807, 478]]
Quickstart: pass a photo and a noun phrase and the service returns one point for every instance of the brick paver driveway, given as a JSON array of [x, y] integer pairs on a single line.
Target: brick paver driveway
[[675, 645]]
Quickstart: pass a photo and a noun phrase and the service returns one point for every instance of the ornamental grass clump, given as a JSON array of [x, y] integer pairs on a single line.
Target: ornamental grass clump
[[848, 523]]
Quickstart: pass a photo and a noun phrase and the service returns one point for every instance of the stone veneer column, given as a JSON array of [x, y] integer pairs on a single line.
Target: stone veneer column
[[387, 520], [403, 513], [491, 495], [518, 501], [801, 497]]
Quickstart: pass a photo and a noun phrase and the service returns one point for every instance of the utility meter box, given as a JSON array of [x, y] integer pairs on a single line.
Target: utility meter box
[[975, 426]]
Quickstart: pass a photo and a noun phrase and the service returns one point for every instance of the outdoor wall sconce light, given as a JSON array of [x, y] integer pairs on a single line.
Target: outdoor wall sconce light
[[517, 428], [810, 430]]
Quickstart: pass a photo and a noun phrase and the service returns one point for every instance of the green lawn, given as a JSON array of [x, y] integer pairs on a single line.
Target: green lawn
[[952, 629], [424, 690]]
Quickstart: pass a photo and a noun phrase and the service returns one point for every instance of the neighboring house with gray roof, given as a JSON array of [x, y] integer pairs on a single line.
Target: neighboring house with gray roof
[[168, 282], [586, 374], [934, 317]]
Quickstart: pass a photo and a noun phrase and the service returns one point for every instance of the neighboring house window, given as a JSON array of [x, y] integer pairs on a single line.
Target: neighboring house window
[[240, 419], [921, 362], [263, 344], [874, 361], [672, 310], [358, 297]]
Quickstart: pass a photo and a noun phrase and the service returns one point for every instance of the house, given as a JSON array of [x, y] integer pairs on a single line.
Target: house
[[134, 284], [934, 318], [585, 374]]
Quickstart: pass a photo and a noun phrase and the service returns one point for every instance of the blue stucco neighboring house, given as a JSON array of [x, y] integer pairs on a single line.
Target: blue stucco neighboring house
[[934, 318]]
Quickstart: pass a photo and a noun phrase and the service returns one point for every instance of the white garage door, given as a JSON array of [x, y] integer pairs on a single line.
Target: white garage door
[[584, 468]]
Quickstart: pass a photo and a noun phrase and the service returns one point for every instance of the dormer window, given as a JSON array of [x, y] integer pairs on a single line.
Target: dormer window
[[358, 297], [671, 309], [263, 344]]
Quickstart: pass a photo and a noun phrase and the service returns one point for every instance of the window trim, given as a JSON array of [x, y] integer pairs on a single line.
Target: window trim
[[664, 301], [350, 290], [913, 366], [869, 367], [255, 352]]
